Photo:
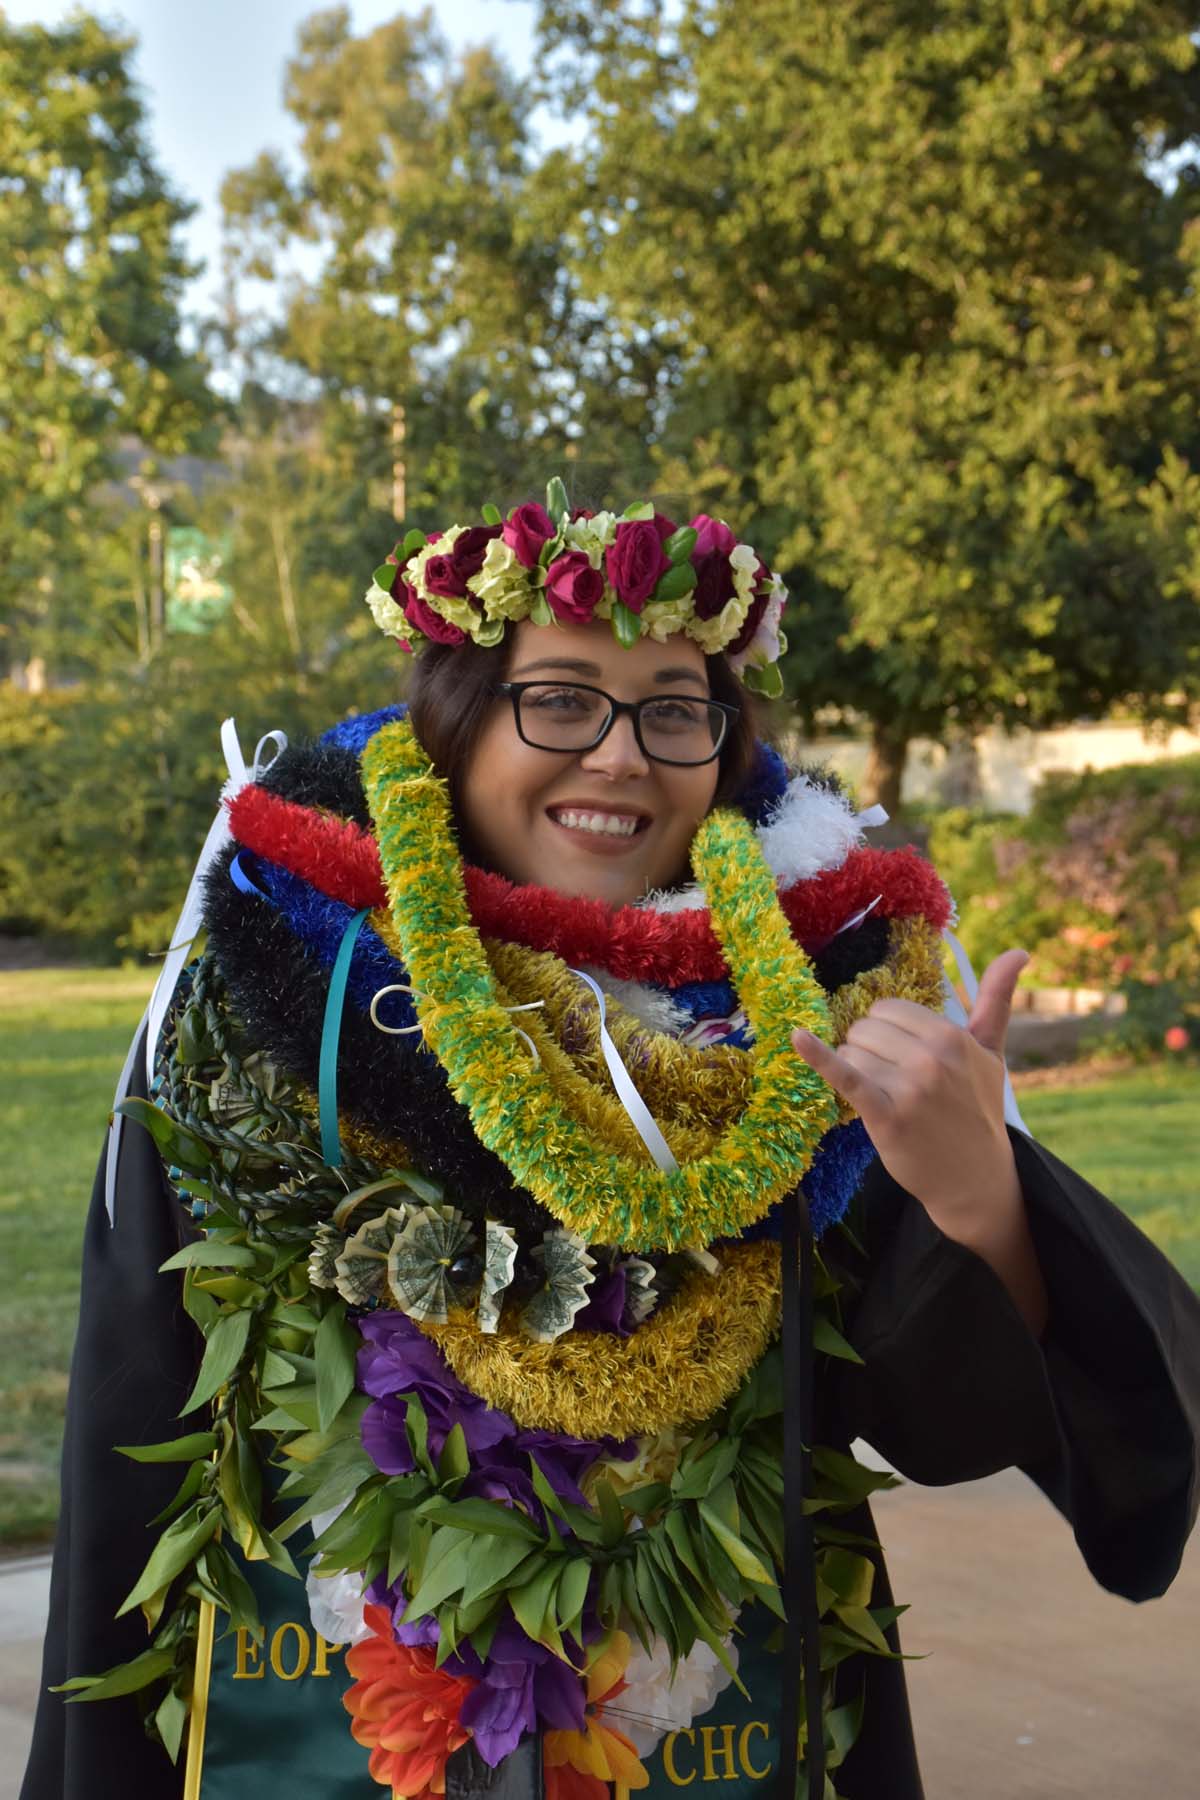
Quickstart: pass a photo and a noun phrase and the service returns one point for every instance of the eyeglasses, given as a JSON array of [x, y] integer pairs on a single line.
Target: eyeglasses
[[570, 716]]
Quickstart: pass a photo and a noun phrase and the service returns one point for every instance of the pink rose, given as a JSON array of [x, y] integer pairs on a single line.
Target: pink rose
[[573, 587], [635, 560], [711, 534], [526, 529], [425, 620]]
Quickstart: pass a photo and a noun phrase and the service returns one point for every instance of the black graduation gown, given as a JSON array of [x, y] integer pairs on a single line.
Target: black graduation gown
[[1104, 1415]]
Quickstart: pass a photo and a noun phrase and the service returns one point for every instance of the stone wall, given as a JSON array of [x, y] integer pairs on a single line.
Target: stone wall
[[1000, 770]]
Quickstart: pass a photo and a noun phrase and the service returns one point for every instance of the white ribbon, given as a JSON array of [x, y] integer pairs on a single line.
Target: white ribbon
[[187, 928], [956, 1014], [627, 1094]]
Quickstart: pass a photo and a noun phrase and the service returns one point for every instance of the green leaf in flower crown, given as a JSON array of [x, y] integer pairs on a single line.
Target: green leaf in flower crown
[[335, 1347], [384, 576], [768, 682], [362, 1266], [424, 1261], [567, 1269], [626, 627], [223, 1351], [557, 504], [680, 544], [499, 1261], [488, 633], [679, 580], [181, 1449], [491, 514], [539, 610], [413, 541], [637, 510]]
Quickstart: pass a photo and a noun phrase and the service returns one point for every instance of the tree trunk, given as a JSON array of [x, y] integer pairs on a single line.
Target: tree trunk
[[885, 765]]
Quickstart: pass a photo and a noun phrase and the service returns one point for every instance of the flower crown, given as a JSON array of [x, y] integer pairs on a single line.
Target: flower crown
[[642, 572]]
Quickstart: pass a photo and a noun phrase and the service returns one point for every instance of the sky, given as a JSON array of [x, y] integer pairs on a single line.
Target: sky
[[212, 74]]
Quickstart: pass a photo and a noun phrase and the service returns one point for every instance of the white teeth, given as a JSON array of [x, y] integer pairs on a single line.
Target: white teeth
[[608, 823]]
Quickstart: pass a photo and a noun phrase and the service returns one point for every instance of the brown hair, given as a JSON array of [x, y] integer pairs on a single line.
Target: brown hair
[[452, 689]]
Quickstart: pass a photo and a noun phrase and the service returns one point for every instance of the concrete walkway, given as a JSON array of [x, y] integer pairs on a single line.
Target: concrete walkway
[[24, 1591], [1035, 1684]]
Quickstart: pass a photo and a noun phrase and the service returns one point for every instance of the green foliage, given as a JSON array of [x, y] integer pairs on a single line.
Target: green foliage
[[112, 785], [927, 325], [1101, 881]]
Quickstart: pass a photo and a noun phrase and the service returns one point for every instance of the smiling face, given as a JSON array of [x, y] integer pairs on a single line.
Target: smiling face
[[606, 823]]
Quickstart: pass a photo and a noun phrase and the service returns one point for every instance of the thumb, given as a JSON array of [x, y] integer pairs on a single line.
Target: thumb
[[988, 1022]]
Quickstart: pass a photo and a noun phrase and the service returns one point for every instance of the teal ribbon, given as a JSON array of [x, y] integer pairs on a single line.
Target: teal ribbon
[[331, 1032]]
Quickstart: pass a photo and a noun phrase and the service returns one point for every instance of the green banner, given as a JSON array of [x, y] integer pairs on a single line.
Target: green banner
[[195, 579], [275, 1713]]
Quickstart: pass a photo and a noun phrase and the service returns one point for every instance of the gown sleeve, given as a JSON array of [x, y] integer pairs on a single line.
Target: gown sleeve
[[1103, 1413], [135, 1358]]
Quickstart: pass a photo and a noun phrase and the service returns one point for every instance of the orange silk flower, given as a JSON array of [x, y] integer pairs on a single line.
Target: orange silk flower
[[580, 1764], [404, 1710]]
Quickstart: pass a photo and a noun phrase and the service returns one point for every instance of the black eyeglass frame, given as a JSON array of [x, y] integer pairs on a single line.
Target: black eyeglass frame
[[617, 709]]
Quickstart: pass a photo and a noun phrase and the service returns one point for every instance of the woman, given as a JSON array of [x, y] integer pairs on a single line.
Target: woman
[[511, 1176]]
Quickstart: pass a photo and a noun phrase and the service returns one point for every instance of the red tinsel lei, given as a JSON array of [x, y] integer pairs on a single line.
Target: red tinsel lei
[[404, 1710], [634, 943]]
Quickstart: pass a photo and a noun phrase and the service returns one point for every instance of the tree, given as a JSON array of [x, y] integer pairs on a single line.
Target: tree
[[935, 309], [432, 324], [91, 276]]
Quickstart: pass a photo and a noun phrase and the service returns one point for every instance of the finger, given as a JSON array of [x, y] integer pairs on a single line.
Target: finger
[[848, 1074], [891, 1043], [988, 1021], [907, 1015]]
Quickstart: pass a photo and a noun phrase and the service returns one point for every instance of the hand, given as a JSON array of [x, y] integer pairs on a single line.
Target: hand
[[931, 1095]]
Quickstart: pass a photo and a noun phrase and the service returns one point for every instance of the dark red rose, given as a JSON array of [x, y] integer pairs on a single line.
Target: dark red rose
[[426, 620], [526, 529], [635, 560], [582, 512], [470, 549], [714, 584], [710, 559], [573, 587], [441, 577]]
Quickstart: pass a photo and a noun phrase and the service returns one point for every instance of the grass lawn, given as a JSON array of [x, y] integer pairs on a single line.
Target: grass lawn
[[63, 1037], [1136, 1136]]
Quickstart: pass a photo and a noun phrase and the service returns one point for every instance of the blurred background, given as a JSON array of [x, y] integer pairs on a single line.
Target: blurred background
[[908, 293]]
